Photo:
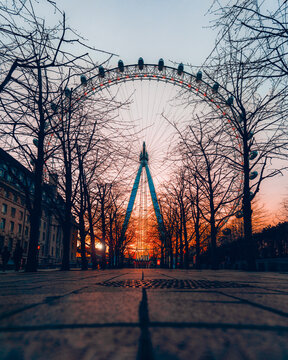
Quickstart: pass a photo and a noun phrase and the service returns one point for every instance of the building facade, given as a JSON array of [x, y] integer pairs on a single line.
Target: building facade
[[15, 217]]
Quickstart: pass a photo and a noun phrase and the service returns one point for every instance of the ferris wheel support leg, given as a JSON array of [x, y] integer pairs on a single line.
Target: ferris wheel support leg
[[156, 208], [131, 202]]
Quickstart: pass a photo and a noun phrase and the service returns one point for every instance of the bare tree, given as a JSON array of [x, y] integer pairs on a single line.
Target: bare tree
[[34, 54], [260, 26], [256, 109], [205, 161]]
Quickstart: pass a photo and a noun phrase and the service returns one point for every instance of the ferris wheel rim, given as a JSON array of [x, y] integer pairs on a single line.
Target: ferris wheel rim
[[168, 74]]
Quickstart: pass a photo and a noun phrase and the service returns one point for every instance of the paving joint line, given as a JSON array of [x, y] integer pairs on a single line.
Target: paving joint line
[[252, 303], [145, 348], [152, 324], [47, 300]]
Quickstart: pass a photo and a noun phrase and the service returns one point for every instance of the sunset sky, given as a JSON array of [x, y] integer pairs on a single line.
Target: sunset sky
[[175, 31]]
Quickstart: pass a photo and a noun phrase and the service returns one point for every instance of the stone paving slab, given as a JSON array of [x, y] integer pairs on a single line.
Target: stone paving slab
[[169, 307], [100, 307], [205, 344], [70, 315], [78, 344]]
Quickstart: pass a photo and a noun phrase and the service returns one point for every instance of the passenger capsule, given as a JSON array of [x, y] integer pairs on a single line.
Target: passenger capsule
[[253, 155], [54, 107], [180, 69], [229, 101], [253, 175], [226, 231], [67, 92], [215, 88], [250, 135], [239, 214], [83, 80], [141, 63], [199, 76], [120, 66], [35, 142], [251, 195], [161, 64], [101, 71], [240, 118]]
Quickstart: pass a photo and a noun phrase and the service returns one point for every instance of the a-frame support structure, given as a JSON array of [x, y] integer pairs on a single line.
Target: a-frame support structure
[[144, 165]]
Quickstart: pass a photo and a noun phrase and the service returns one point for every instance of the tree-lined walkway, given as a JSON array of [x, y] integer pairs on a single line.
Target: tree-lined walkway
[[150, 314]]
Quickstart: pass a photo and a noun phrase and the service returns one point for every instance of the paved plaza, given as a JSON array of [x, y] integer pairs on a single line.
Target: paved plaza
[[143, 314]]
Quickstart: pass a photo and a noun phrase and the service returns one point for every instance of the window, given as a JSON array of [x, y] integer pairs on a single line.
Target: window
[[15, 198], [44, 236], [7, 194], [12, 226], [20, 215], [2, 224], [13, 212], [22, 200], [4, 209], [19, 229], [26, 230]]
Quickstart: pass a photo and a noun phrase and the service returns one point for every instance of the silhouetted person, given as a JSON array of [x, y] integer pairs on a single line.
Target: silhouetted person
[[17, 256], [5, 257]]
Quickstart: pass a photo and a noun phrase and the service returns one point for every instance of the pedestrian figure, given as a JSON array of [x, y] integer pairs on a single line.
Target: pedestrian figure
[[5, 254], [17, 256]]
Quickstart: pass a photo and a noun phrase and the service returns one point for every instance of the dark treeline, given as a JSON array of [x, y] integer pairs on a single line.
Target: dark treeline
[[271, 242]]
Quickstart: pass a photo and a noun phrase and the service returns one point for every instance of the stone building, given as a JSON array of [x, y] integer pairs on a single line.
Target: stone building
[[15, 218]]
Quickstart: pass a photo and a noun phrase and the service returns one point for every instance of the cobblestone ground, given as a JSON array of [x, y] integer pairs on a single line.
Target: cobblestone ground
[[143, 314]]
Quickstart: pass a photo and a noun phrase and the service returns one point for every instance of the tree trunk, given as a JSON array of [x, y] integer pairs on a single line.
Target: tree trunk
[[181, 243], [84, 262], [92, 236], [249, 244], [67, 222], [36, 211], [197, 229], [103, 223], [176, 247]]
